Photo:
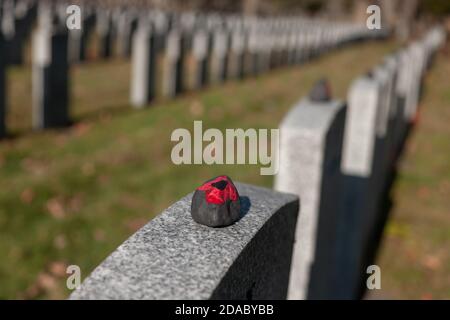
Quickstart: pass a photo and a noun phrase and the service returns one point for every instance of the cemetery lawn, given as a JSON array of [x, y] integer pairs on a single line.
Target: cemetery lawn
[[71, 196], [415, 256]]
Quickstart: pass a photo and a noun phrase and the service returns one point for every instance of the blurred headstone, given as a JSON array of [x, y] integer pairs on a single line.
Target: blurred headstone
[[173, 65], [50, 78], [359, 189], [143, 67], [237, 54], [200, 48], [104, 32], [126, 27], [310, 155], [219, 56]]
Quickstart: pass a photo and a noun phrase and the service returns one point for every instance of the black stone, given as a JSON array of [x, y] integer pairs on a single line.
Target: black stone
[[215, 214], [369, 74], [320, 92]]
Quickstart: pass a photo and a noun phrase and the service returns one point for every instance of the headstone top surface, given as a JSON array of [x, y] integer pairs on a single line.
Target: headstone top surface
[[173, 257], [312, 116]]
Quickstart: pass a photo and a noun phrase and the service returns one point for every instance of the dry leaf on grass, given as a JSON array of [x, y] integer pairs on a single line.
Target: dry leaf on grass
[[27, 196], [55, 207]]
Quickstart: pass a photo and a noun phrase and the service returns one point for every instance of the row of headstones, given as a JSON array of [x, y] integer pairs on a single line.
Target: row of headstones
[[16, 24], [338, 157], [191, 55], [216, 47], [115, 26], [54, 47], [18, 19]]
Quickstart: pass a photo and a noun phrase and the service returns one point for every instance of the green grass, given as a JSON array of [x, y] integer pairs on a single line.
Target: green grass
[[415, 263], [71, 196]]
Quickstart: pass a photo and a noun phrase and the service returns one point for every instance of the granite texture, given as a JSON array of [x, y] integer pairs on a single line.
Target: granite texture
[[173, 257]]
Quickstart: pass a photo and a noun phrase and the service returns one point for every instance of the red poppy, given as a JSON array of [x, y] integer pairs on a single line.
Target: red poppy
[[219, 190]]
